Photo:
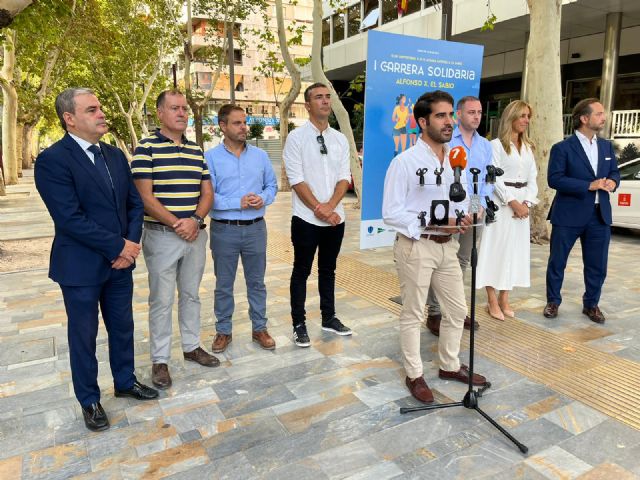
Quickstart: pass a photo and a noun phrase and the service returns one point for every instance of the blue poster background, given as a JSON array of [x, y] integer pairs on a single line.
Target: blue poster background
[[409, 66]]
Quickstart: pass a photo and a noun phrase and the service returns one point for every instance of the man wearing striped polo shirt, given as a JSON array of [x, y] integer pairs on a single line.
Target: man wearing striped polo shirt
[[174, 183]]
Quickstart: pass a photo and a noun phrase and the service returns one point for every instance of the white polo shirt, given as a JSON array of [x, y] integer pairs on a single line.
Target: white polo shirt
[[304, 163]]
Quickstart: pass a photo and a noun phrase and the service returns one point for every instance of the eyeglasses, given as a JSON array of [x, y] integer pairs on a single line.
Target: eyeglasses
[[323, 147]]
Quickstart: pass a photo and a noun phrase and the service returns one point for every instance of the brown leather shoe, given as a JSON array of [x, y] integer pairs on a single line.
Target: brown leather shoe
[[419, 389], [594, 314], [433, 324], [467, 323], [220, 343], [551, 310], [203, 358], [263, 339], [462, 375], [160, 375]]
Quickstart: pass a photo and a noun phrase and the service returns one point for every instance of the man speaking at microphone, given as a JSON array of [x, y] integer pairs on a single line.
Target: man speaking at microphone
[[479, 153], [425, 253]]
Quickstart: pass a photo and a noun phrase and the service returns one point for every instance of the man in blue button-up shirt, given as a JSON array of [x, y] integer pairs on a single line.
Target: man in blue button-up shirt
[[479, 153], [244, 184]]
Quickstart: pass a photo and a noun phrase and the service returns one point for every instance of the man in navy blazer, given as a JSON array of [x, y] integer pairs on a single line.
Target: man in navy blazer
[[97, 213], [583, 170]]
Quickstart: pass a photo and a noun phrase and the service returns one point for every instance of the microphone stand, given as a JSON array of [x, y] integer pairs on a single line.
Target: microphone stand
[[470, 399]]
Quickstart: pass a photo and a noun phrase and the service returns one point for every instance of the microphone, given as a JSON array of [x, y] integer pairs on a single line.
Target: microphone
[[458, 161]]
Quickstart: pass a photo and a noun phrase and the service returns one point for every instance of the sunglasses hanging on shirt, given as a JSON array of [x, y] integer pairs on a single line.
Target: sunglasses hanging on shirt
[[323, 147]]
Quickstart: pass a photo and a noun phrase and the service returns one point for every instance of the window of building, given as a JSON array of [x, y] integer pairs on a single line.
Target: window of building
[[370, 14], [237, 56], [353, 20], [389, 11], [413, 6], [326, 31], [338, 27]]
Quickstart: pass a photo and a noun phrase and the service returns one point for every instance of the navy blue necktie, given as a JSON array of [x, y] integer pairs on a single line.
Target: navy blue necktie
[[101, 165]]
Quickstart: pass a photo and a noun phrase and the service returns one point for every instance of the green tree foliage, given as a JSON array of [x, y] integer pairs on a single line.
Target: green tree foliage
[[256, 130], [629, 152]]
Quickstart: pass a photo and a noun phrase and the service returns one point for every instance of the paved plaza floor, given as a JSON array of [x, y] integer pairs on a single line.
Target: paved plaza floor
[[567, 388]]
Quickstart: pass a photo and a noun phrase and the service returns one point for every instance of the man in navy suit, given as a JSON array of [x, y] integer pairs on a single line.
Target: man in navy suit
[[97, 213], [583, 170]]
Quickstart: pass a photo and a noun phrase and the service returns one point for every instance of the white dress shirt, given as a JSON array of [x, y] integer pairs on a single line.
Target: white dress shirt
[[304, 163], [84, 145], [591, 150], [403, 198]]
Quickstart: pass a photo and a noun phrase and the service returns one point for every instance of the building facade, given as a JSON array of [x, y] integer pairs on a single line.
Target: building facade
[[256, 92], [600, 48]]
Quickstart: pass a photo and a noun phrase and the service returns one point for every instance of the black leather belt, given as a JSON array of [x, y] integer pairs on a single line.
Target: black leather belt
[[516, 184], [436, 238], [239, 222]]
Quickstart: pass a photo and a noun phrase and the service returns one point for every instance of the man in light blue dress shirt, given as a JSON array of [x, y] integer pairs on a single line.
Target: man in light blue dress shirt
[[244, 184], [479, 153]]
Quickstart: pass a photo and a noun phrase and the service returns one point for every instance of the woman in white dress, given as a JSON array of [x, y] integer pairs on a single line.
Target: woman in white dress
[[504, 258]]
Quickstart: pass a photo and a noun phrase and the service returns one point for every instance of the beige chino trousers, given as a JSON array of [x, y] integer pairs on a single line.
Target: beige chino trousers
[[420, 264]]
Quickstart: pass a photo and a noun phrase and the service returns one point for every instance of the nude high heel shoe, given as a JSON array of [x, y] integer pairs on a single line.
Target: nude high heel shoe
[[497, 315]]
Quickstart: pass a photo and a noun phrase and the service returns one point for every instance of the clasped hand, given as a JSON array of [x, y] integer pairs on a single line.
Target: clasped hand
[[251, 200], [325, 212], [127, 256], [605, 184], [520, 210], [186, 228]]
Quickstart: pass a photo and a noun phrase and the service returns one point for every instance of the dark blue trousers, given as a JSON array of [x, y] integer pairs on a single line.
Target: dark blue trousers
[[114, 298], [594, 239]]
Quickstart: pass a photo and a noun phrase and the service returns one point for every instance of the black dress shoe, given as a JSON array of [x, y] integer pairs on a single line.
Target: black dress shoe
[[138, 391], [433, 324], [95, 417]]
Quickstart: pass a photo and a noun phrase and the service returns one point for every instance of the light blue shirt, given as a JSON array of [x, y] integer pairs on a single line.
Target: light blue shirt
[[479, 155], [233, 177]]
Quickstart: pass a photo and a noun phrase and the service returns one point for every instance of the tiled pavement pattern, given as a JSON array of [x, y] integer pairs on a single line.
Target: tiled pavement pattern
[[330, 411]]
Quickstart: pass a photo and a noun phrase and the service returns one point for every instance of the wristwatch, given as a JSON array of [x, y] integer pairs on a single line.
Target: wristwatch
[[198, 219], [527, 203]]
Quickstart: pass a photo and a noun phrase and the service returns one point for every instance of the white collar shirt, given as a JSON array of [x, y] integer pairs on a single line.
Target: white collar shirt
[[591, 151], [404, 198], [84, 145], [321, 172]]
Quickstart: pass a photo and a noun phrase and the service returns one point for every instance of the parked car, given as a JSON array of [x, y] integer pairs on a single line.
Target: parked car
[[625, 202]]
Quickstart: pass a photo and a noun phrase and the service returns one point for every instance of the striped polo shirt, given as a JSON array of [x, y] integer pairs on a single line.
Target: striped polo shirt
[[176, 170]]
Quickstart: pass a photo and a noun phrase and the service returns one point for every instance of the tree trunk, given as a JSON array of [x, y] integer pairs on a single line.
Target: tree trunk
[[9, 111], [19, 143], [3, 190], [545, 96], [198, 109], [27, 145], [336, 104], [122, 146], [287, 102]]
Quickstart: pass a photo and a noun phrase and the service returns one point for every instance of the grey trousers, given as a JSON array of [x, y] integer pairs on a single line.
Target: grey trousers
[[228, 244], [172, 261], [464, 257]]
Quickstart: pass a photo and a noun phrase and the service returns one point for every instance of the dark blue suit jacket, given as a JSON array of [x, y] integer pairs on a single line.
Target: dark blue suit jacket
[[570, 173], [91, 222]]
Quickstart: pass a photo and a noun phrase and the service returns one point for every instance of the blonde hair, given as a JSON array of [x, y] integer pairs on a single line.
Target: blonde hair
[[505, 129]]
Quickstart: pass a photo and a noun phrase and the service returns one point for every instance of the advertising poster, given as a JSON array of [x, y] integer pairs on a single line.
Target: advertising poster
[[400, 69]]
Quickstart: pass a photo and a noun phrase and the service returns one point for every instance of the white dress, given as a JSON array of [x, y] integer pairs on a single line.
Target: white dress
[[504, 257]]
